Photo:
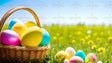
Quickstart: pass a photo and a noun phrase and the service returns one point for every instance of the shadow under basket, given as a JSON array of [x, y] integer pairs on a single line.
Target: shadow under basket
[[21, 53]]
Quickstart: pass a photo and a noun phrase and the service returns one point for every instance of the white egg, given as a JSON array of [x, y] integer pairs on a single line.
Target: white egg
[[70, 51]]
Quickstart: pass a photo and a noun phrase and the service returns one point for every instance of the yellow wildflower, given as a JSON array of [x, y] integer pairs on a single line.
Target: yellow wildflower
[[95, 34], [73, 41], [110, 38], [86, 37], [90, 42], [101, 49], [93, 47], [54, 38], [79, 32], [89, 36], [98, 39], [82, 40]]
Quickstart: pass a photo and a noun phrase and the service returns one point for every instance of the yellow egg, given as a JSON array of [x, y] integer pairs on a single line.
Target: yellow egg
[[30, 24], [19, 28], [61, 55], [31, 37]]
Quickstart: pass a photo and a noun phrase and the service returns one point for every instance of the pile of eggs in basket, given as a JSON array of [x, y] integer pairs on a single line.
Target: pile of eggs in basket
[[28, 34], [71, 56]]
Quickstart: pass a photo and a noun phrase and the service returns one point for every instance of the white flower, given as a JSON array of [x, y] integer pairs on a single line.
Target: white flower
[[89, 31], [99, 62]]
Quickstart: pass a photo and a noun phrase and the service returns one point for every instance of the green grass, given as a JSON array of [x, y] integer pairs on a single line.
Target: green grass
[[62, 36]]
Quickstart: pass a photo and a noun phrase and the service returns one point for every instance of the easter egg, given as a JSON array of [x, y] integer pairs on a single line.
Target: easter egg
[[30, 24], [91, 58], [14, 21], [45, 39], [61, 55], [31, 37], [19, 28], [76, 59], [80, 54], [9, 37], [66, 61], [70, 51]]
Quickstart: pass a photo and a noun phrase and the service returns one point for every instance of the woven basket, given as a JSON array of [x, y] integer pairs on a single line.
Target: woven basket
[[20, 52]]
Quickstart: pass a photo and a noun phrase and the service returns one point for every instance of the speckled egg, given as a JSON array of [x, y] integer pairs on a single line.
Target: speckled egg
[[30, 24], [76, 59], [12, 22], [9, 37], [45, 39], [31, 37], [70, 51], [19, 28], [91, 58], [61, 55], [80, 54]]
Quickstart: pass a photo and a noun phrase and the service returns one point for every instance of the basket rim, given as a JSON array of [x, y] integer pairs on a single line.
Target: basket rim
[[25, 48]]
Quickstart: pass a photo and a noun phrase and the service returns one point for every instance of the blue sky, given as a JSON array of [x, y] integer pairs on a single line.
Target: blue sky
[[63, 12]]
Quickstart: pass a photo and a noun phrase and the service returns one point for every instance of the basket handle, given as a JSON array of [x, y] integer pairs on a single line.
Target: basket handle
[[4, 18]]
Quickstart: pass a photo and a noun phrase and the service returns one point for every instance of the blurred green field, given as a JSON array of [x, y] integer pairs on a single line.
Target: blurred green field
[[99, 41]]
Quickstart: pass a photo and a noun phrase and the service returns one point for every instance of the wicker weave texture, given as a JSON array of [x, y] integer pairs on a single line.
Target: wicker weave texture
[[22, 53]]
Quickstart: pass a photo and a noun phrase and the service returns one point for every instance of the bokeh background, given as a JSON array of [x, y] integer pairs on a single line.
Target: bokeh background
[[62, 12], [56, 13]]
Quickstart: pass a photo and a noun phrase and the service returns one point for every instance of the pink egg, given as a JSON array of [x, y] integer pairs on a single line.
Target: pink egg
[[92, 57], [9, 37], [76, 59], [66, 61]]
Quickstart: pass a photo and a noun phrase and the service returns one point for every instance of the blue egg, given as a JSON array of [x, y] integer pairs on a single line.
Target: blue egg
[[80, 54], [11, 24], [45, 39], [14, 21]]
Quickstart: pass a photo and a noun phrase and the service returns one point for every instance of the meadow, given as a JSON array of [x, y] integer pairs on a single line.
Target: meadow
[[90, 39]]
